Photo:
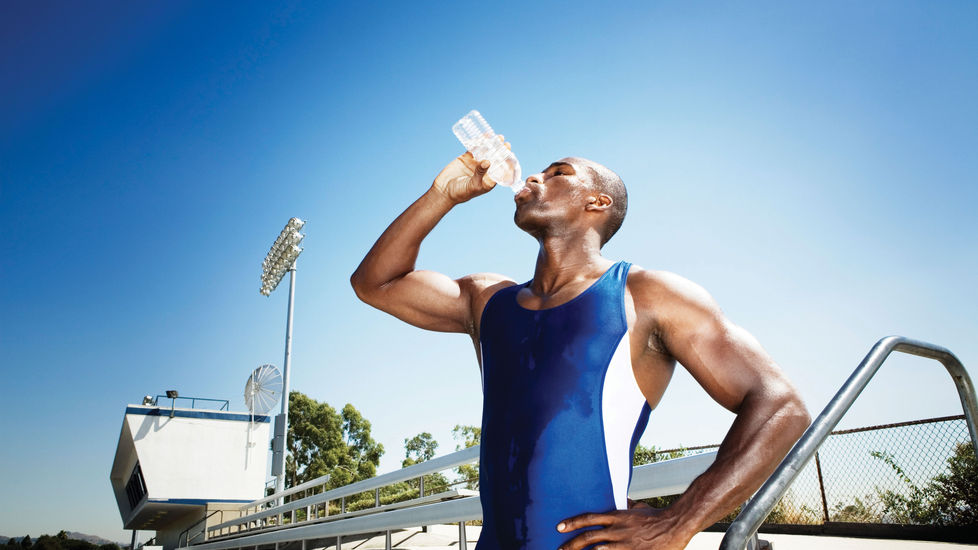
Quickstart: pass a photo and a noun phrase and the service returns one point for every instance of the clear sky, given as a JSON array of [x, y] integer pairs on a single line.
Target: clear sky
[[811, 164]]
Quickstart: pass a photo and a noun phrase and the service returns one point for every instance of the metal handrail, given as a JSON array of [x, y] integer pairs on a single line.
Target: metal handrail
[[257, 527], [193, 401], [650, 480], [767, 497], [414, 471], [449, 511], [186, 532]]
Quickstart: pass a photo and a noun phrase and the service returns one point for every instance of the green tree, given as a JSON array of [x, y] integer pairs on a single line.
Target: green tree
[[419, 449], [362, 452], [26, 542], [947, 499], [955, 493], [648, 455], [860, 511], [912, 507], [322, 441], [47, 542], [467, 436], [76, 544]]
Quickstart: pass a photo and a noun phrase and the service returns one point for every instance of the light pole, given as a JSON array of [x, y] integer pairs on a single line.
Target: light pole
[[281, 258]]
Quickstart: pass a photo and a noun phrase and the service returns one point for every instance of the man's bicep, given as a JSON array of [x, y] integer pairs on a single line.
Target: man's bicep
[[726, 360], [426, 299], [729, 363], [433, 301]]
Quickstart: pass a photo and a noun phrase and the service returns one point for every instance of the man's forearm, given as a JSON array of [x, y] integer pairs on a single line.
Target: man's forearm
[[765, 429], [396, 251]]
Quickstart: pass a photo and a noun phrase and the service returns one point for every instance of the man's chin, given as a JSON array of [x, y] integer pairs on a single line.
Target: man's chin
[[517, 220], [526, 223]]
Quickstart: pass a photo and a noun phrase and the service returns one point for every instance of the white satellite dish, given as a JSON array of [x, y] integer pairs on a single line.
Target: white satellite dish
[[263, 389]]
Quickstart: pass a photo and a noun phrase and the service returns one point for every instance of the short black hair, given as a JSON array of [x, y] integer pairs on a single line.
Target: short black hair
[[605, 180]]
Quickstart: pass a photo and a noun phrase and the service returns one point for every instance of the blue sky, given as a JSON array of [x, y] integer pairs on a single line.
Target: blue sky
[[813, 166]]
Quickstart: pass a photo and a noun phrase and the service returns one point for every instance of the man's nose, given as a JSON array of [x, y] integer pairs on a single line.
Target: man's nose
[[535, 178]]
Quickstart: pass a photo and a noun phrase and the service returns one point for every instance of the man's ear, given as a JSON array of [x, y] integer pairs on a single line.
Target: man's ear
[[598, 202]]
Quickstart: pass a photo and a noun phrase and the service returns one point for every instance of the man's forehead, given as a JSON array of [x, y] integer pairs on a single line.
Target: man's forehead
[[573, 162]]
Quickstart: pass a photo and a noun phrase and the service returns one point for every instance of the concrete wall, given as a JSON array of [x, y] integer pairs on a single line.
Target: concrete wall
[[200, 456], [122, 468]]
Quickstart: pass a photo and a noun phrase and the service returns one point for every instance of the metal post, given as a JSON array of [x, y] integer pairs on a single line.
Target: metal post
[[421, 487], [387, 540], [821, 487], [132, 545], [280, 475], [768, 495], [377, 496], [752, 542], [462, 542]]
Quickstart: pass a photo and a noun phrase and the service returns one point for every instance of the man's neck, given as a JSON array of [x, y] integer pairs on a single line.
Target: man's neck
[[566, 261]]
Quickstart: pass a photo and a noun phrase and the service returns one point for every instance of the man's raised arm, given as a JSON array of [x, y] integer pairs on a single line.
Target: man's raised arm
[[387, 279]]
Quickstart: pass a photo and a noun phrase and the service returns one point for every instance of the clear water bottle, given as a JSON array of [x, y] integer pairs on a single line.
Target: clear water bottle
[[479, 139]]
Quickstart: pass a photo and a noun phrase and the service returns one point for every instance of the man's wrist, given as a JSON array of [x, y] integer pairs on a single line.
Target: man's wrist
[[440, 198], [685, 520]]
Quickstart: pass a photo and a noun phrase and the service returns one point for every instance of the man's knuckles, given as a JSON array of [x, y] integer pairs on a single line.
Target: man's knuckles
[[587, 538]]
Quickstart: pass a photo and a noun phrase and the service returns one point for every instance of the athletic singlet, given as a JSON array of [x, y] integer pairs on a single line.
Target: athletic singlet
[[561, 414]]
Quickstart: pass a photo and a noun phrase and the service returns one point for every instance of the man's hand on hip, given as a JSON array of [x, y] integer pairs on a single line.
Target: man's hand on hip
[[639, 527]]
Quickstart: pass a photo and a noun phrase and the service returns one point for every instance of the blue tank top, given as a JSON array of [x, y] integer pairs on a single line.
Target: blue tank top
[[561, 414]]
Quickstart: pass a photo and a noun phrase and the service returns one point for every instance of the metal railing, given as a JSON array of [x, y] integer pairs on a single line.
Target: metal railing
[[664, 478], [193, 401], [859, 475], [648, 481], [186, 539], [256, 517], [763, 502]]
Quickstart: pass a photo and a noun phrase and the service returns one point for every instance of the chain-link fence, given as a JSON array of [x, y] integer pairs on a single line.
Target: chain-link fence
[[911, 473]]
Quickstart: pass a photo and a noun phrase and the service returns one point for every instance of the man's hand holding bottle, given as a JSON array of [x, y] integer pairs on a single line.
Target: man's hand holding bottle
[[465, 178]]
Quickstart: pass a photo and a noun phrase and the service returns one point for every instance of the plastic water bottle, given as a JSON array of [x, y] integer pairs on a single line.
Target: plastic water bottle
[[479, 139]]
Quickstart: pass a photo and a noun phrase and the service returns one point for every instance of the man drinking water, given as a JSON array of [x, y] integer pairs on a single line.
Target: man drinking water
[[574, 360]]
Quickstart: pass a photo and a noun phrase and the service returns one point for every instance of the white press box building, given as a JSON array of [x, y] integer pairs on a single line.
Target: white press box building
[[176, 468]]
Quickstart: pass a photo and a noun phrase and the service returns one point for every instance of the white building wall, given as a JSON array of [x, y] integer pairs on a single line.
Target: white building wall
[[200, 459]]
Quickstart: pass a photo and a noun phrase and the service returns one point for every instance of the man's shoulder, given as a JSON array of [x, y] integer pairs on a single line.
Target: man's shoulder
[[661, 289], [481, 286], [481, 282]]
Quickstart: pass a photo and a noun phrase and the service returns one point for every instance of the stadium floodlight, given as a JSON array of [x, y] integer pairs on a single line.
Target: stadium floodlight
[[281, 258]]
